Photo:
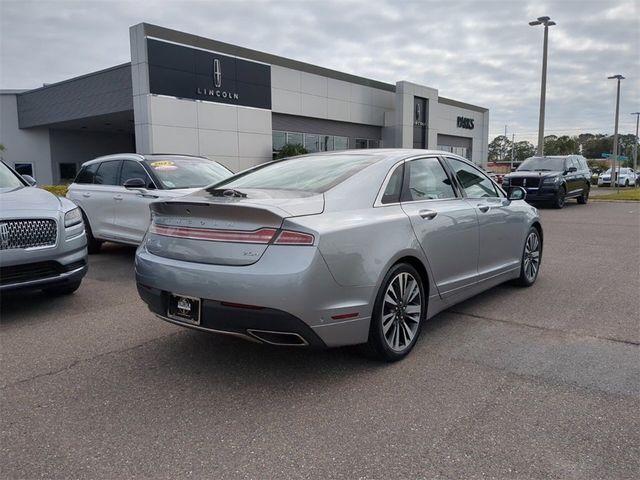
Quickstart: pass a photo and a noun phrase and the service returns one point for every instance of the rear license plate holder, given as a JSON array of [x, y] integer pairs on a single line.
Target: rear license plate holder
[[184, 309]]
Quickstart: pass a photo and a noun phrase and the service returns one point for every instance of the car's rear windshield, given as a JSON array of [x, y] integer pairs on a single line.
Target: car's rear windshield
[[186, 172], [311, 173], [542, 164]]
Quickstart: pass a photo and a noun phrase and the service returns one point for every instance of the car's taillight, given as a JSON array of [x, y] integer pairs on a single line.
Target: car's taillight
[[261, 236], [288, 237]]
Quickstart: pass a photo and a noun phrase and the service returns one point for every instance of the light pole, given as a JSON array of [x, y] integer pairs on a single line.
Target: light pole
[[635, 148], [614, 154], [547, 22]]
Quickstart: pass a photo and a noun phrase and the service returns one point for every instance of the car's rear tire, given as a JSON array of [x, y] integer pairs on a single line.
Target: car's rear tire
[[399, 311], [584, 198], [558, 202], [531, 258], [93, 245], [66, 289]]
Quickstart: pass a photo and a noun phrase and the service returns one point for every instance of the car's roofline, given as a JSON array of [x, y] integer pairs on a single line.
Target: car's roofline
[[139, 157]]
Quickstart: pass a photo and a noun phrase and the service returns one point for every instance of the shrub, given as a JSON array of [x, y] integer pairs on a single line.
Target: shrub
[[291, 150], [59, 190]]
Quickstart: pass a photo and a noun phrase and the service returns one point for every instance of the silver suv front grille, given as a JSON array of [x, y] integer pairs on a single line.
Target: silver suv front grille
[[27, 233]]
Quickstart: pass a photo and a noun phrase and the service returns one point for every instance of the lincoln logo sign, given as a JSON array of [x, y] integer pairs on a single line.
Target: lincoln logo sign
[[464, 122], [182, 71], [217, 83]]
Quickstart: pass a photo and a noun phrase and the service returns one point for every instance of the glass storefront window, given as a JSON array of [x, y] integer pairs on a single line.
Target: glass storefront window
[[311, 142], [294, 138], [340, 143], [361, 143], [326, 143], [462, 151], [279, 140], [373, 143]]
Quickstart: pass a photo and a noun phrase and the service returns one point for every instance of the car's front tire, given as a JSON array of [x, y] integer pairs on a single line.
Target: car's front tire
[[66, 289], [531, 258], [399, 311], [93, 245], [558, 202]]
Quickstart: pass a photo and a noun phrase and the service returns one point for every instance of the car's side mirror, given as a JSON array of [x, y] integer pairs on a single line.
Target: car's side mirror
[[513, 169], [571, 170], [517, 193], [30, 180], [135, 183]]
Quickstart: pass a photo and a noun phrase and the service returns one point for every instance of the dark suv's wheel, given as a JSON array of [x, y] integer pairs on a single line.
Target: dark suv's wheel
[[560, 197], [398, 313], [93, 245], [531, 257], [584, 198]]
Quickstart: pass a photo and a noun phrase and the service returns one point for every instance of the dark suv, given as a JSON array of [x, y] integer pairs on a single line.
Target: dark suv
[[552, 179]]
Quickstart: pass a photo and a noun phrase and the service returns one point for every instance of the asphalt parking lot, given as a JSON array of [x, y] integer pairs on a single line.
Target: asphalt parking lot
[[516, 383]]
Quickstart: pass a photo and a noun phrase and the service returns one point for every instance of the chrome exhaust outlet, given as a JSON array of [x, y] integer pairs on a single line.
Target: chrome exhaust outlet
[[281, 339]]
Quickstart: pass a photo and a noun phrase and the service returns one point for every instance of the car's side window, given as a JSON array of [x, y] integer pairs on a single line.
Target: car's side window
[[107, 173], [131, 169], [394, 186], [475, 183], [87, 174], [425, 179]]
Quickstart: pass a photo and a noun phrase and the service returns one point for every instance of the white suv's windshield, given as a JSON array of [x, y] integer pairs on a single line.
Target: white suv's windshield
[[311, 173], [186, 172], [542, 164], [8, 181]]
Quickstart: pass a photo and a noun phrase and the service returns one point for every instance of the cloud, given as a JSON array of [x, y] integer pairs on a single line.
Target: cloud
[[481, 52]]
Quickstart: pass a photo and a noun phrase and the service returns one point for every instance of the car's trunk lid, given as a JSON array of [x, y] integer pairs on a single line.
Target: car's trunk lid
[[224, 230]]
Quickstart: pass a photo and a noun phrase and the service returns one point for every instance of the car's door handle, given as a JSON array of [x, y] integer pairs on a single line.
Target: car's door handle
[[427, 214], [86, 194], [484, 208], [147, 195], [117, 197]]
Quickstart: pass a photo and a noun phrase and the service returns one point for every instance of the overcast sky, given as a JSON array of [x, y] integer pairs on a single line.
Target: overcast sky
[[481, 52]]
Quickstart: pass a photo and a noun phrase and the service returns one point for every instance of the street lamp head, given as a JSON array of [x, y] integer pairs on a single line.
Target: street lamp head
[[535, 22], [619, 77], [550, 24], [543, 19], [635, 113], [546, 21]]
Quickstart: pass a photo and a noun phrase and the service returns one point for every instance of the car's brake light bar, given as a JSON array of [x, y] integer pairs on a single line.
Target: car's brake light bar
[[263, 235], [260, 236]]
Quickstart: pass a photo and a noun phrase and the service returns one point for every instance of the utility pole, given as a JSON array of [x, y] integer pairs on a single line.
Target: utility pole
[[614, 154], [504, 145], [547, 22], [513, 148], [635, 149]]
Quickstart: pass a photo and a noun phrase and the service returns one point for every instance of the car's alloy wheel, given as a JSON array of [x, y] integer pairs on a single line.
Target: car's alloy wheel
[[398, 315], [531, 257]]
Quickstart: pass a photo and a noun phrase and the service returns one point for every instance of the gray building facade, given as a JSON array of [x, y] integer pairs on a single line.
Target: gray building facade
[[182, 93]]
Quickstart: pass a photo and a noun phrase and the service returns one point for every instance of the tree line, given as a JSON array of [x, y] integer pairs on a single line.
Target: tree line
[[589, 145]]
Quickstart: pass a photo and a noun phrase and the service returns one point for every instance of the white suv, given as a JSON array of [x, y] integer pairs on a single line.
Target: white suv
[[114, 192]]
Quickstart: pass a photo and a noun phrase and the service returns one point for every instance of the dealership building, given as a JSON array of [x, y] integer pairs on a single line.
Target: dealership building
[[182, 93]]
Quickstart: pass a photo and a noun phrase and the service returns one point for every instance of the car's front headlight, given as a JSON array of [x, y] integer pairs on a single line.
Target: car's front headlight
[[72, 217], [551, 180]]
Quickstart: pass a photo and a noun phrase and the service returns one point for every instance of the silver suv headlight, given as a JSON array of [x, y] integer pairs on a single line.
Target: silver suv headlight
[[72, 217]]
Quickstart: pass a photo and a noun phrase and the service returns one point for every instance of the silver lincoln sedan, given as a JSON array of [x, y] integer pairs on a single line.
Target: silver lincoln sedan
[[338, 248]]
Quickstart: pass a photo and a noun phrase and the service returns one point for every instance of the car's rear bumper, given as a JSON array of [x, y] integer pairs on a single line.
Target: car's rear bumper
[[290, 289], [251, 323]]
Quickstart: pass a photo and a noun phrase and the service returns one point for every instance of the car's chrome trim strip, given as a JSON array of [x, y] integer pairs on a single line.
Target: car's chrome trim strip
[[256, 333], [210, 330]]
